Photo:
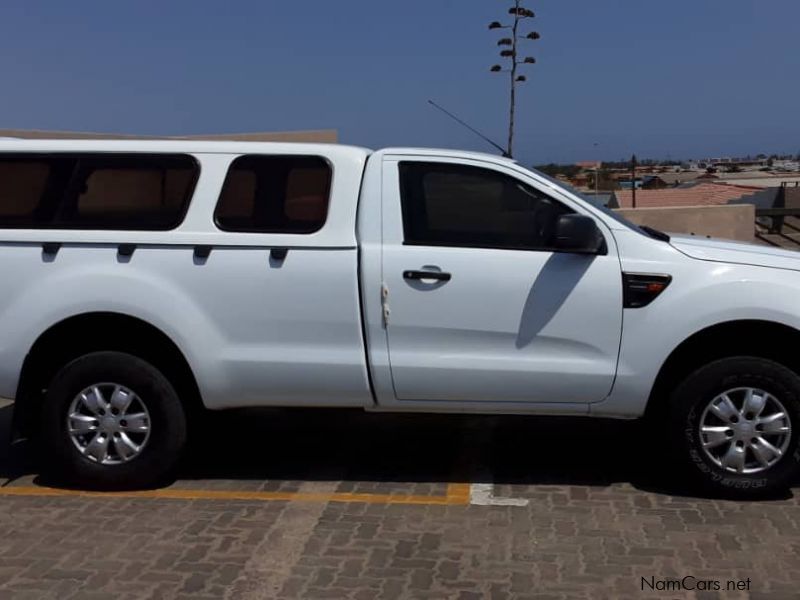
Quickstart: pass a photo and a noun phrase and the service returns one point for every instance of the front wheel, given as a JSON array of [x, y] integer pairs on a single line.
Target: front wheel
[[111, 420], [736, 424]]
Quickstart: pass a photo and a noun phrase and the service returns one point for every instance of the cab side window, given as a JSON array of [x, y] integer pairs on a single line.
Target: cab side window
[[460, 205]]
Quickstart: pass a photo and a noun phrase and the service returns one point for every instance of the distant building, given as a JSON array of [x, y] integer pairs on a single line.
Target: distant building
[[647, 182], [589, 165], [742, 163], [786, 165], [758, 179], [580, 179], [702, 194], [678, 178], [628, 184], [653, 182]]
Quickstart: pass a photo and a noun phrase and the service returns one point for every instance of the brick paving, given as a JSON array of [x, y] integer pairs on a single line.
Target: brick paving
[[599, 518]]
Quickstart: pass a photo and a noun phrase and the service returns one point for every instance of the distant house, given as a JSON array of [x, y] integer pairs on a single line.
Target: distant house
[[678, 178], [653, 182], [707, 176], [702, 194], [580, 180], [589, 165], [647, 182], [628, 184]]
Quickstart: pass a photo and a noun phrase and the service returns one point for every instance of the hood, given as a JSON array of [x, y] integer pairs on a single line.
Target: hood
[[736, 252]]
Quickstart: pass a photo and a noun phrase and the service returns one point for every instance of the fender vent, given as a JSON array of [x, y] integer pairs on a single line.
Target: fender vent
[[639, 289]]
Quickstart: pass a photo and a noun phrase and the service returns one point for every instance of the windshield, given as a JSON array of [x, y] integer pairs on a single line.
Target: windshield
[[644, 230]]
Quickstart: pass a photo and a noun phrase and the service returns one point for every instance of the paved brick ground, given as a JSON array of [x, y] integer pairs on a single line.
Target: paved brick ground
[[600, 517]]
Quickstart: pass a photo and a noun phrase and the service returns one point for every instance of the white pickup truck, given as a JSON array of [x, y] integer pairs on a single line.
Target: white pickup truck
[[143, 281]]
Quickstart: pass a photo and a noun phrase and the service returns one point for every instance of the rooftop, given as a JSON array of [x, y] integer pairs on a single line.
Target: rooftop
[[761, 180], [703, 194], [589, 164], [682, 177]]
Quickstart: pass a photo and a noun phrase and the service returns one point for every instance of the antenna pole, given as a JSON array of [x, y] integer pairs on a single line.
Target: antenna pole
[[472, 129]]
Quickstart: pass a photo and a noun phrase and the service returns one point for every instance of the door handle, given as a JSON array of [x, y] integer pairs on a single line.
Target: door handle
[[437, 275]]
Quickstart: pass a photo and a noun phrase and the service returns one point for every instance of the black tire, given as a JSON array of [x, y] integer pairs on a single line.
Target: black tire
[[63, 461], [690, 400]]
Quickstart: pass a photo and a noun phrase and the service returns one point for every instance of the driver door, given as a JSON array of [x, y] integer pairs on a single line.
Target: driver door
[[480, 308]]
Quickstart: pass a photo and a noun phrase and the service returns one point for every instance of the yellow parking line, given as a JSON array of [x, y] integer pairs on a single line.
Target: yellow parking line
[[457, 494]]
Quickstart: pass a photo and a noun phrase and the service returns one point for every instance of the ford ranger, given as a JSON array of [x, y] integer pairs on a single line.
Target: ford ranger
[[146, 281]]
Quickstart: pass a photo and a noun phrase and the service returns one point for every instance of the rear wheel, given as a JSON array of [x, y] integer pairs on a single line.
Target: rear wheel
[[111, 420], [736, 424]]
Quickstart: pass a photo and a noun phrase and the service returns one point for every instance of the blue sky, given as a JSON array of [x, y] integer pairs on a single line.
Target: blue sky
[[660, 78]]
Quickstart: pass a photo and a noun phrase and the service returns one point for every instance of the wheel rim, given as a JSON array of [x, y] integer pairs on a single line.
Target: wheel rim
[[108, 423], [745, 430]]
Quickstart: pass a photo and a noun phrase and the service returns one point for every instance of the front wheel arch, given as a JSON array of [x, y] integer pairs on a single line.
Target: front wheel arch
[[762, 339]]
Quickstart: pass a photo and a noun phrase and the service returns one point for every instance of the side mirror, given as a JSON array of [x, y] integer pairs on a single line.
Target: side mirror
[[579, 234]]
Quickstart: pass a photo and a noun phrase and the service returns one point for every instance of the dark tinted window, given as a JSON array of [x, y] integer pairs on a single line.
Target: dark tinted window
[[95, 191], [22, 186], [458, 205], [275, 194]]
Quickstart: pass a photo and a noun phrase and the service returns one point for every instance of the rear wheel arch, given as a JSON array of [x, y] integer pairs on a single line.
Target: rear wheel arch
[[756, 338], [92, 332]]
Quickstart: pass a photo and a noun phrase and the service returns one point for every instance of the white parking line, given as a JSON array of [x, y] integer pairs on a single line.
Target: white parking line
[[271, 563], [482, 494]]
